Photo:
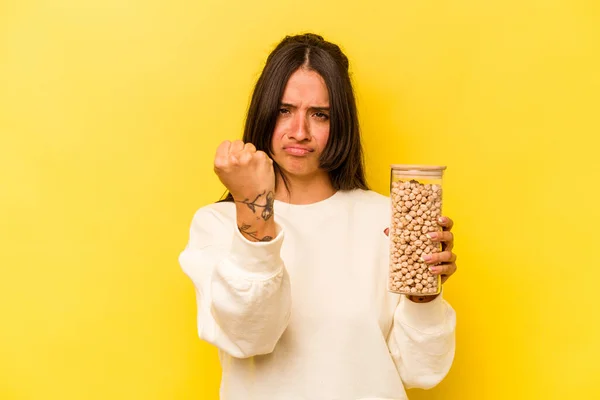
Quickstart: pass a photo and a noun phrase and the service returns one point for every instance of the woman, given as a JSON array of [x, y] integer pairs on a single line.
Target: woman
[[291, 272]]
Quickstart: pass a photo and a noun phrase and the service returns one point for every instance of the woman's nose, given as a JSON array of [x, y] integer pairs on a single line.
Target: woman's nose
[[299, 130]]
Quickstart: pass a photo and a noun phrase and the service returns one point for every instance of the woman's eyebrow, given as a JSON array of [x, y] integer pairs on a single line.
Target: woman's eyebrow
[[316, 108]]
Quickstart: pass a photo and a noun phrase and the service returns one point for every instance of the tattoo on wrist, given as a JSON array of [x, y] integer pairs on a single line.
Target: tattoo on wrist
[[267, 207], [245, 230]]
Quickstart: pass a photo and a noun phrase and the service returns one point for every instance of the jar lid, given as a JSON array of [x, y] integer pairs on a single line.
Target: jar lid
[[415, 169]]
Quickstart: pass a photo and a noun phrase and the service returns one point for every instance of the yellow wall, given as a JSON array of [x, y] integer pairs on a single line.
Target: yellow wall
[[109, 115]]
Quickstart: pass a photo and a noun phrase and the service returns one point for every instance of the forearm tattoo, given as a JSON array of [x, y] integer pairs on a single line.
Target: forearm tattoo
[[267, 211], [245, 229]]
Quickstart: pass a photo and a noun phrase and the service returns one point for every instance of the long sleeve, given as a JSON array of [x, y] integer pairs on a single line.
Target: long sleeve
[[422, 341], [242, 288]]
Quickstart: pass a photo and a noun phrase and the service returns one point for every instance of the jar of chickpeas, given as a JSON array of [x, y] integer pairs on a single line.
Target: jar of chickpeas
[[416, 201]]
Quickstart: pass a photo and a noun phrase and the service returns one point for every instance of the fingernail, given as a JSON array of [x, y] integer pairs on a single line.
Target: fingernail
[[442, 220], [431, 235], [427, 257], [434, 270]]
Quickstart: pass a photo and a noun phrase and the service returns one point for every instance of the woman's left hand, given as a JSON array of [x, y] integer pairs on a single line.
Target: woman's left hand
[[444, 262]]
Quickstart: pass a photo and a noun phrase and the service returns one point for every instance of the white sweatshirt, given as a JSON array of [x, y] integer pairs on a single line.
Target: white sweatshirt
[[308, 315]]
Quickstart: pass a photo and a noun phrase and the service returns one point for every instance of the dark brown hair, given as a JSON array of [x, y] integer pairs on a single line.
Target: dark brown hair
[[342, 157]]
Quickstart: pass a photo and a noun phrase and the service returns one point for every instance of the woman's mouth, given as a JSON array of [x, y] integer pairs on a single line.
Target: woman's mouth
[[297, 150]]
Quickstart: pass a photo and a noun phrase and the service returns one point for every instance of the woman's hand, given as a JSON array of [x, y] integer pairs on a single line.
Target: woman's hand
[[247, 173], [444, 262], [249, 176]]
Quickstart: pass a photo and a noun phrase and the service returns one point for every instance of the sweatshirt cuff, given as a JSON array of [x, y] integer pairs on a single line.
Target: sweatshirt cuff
[[424, 317], [257, 257]]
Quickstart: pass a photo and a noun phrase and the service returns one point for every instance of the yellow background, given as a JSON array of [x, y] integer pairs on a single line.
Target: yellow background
[[110, 112]]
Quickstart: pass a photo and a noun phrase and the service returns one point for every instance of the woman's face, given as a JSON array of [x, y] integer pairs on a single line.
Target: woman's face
[[302, 127]]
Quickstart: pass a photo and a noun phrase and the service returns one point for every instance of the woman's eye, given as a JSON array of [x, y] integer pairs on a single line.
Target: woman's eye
[[321, 115], [283, 111]]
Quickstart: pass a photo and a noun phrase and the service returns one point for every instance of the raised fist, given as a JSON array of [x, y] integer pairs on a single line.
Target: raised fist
[[245, 172]]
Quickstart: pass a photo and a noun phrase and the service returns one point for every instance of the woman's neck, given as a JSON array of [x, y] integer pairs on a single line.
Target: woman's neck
[[305, 191]]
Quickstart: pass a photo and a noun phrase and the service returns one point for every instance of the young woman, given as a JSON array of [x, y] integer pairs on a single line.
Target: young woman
[[291, 270]]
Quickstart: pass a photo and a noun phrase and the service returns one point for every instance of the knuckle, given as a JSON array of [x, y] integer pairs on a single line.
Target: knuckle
[[220, 163], [242, 157], [233, 160], [236, 146], [439, 257], [222, 148], [445, 256]]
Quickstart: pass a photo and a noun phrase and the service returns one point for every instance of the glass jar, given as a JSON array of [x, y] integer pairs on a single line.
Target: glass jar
[[416, 201]]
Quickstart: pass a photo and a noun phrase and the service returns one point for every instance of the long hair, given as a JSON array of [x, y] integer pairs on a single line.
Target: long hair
[[342, 157]]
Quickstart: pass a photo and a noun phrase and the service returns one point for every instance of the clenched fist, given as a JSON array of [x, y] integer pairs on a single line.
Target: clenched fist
[[248, 175]]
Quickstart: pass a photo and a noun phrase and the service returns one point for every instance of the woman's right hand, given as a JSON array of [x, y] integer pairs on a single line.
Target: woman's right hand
[[249, 176], [243, 170]]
